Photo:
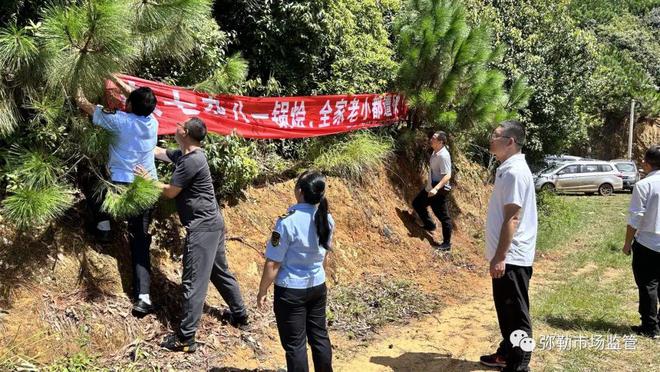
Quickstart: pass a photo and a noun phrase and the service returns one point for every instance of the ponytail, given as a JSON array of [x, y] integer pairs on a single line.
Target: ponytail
[[312, 186], [322, 223]]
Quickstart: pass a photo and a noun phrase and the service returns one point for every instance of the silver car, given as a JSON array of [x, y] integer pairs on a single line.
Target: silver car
[[629, 170], [580, 176]]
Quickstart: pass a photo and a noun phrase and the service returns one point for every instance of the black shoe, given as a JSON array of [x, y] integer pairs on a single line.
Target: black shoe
[[141, 308], [444, 247], [173, 343], [493, 360], [642, 331], [240, 322]]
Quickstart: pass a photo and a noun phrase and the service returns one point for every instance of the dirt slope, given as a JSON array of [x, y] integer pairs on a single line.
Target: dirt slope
[[62, 294]]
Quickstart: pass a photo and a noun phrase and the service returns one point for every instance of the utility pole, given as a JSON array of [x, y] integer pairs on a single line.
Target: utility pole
[[630, 128]]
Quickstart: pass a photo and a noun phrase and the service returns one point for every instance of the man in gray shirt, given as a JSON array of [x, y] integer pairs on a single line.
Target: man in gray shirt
[[204, 255], [436, 191]]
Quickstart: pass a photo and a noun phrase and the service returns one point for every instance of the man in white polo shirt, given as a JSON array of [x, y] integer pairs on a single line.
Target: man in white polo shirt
[[510, 245], [436, 191], [644, 227]]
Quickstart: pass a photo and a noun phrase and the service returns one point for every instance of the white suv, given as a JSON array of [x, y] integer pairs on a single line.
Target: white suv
[[588, 176]]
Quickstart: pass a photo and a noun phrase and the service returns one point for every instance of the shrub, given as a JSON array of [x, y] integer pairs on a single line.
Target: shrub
[[231, 162], [352, 156]]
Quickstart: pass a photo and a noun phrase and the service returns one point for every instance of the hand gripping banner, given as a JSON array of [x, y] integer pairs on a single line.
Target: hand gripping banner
[[266, 117]]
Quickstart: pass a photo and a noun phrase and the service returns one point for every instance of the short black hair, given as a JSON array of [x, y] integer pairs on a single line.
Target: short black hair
[[440, 136], [196, 129], [652, 156], [143, 101], [516, 130]]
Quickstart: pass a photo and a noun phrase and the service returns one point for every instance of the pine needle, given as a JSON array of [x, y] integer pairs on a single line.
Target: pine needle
[[28, 207], [123, 201]]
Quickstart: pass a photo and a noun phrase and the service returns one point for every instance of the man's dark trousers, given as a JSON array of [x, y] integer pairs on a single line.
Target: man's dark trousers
[[205, 258], [646, 269], [440, 208], [139, 240], [510, 293]]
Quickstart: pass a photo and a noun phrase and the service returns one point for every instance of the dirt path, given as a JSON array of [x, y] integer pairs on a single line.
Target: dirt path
[[454, 338], [450, 340]]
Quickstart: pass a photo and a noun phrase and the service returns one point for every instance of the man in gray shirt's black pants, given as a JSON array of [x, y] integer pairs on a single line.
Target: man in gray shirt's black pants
[[204, 253], [436, 191]]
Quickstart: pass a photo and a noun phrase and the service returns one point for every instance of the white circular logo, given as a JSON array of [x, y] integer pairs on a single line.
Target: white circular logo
[[527, 344], [517, 336]]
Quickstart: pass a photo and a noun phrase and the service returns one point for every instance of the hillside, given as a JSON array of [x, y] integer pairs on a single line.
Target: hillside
[[65, 297]]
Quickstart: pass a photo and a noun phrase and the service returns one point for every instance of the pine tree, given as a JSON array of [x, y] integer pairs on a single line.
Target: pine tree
[[446, 70], [76, 45]]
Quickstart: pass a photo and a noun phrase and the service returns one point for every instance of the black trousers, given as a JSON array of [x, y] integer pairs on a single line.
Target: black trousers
[[440, 208], [300, 315], [139, 240], [510, 293], [646, 269], [204, 259]]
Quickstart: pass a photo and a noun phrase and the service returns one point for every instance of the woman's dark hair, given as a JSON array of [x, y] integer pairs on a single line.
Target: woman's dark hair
[[312, 185], [143, 101]]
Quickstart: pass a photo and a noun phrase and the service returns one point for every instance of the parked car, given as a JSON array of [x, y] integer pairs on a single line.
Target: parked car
[[580, 176], [631, 174]]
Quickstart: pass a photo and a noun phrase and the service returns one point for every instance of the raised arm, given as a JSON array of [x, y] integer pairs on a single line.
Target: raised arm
[[83, 104], [161, 154], [126, 89]]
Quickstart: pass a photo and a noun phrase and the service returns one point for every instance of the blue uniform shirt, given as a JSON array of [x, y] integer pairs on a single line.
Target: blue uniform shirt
[[298, 249], [135, 140]]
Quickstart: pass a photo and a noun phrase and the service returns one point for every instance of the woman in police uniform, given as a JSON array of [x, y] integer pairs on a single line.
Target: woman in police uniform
[[295, 256]]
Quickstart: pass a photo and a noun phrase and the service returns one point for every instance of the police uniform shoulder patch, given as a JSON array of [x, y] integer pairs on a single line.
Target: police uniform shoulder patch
[[275, 239], [109, 111], [287, 214]]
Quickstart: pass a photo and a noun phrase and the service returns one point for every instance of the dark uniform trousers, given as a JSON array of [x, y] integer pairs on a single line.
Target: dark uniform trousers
[[440, 208], [646, 269], [205, 258], [510, 293], [139, 240], [300, 315]]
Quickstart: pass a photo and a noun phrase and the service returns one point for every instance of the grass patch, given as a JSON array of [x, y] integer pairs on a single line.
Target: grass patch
[[557, 220], [354, 156], [592, 294], [374, 302]]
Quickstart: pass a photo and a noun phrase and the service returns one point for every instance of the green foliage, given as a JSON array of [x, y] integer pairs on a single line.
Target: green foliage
[[8, 114], [48, 51], [445, 70], [166, 27], [557, 220], [229, 78], [353, 156], [37, 193], [32, 169], [123, 201], [31, 207], [80, 362], [86, 43], [313, 46], [18, 48], [231, 162], [91, 141], [363, 60]]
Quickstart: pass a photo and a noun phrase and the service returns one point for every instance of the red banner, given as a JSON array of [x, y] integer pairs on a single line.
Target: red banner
[[267, 117]]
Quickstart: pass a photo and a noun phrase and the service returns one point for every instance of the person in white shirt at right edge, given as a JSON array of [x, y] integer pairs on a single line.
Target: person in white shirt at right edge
[[511, 229], [644, 227]]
